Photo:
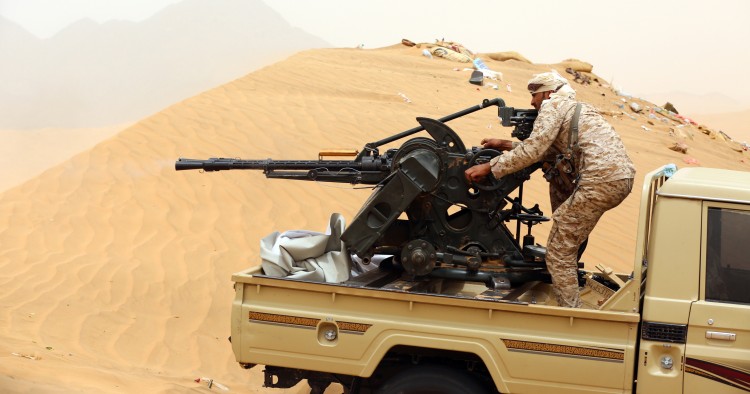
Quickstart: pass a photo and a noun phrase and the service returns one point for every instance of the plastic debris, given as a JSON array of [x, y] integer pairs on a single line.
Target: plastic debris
[[508, 88], [645, 128], [479, 64], [669, 170], [486, 71], [494, 75], [212, 383], [690, 160], [30, 357], [426, 53], [403, 96], [620, 92], [477, 78]]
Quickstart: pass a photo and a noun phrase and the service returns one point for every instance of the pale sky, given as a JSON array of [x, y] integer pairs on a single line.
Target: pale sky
[[44, 18], [644, 46]]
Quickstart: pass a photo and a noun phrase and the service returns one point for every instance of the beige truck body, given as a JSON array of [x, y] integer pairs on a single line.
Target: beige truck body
[[679, 323]]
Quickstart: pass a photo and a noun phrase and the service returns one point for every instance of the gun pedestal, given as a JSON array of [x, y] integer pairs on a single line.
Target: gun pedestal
[[422, 211]]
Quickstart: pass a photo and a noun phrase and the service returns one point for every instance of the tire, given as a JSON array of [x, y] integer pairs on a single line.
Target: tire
[[433, 379]]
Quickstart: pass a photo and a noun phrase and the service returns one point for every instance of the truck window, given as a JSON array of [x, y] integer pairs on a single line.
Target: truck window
[[728, 256]]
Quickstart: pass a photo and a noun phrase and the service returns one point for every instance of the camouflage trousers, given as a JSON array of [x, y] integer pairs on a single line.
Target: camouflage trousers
[[573, 220]]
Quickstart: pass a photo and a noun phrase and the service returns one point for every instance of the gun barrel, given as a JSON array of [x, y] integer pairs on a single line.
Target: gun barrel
[[220, 164], [370, 170], [369, 166]]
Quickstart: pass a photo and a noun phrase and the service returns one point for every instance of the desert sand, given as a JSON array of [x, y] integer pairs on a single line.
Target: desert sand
[[25, 154], [116, 268]]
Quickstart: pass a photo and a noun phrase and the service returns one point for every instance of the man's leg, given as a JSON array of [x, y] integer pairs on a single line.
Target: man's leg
[[573, 221], [556, 198]]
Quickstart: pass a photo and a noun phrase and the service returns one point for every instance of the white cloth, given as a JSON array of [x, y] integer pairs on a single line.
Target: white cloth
[[564, 91], [551, 81], [307, 255]]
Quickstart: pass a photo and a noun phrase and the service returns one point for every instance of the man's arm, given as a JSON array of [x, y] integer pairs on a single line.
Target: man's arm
[[546, 128], [497, 144]]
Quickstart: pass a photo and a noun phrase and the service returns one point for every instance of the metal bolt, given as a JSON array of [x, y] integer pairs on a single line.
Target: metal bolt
[[667, 362], [330, 335], [419, 257]]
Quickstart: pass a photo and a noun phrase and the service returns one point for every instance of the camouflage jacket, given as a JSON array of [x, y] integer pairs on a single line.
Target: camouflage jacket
[[601, 156]]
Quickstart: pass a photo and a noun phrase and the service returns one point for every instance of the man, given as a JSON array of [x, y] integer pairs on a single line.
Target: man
[[590, 173]]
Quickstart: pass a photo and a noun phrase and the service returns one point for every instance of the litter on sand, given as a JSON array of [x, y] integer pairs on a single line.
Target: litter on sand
[[403, 96], [30, 357], [212, 383]]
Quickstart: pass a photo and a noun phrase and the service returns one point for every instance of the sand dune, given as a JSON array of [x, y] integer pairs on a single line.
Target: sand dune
[[735, 124], [25, 154], [116, 269]]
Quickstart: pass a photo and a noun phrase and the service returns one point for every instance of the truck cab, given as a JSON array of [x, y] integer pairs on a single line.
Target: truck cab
[[695, 329]]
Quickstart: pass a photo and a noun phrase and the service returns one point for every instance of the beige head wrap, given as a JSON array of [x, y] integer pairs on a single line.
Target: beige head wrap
[[551, 81]]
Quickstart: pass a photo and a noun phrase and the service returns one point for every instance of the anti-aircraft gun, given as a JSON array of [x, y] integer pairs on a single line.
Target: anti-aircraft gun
[[452, 229]]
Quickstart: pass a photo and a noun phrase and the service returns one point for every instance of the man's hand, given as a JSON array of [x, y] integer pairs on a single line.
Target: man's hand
[[477, 173], [497, 144]]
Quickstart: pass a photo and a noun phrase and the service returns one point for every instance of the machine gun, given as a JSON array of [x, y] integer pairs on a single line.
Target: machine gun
[[448, 224], [369, 167]]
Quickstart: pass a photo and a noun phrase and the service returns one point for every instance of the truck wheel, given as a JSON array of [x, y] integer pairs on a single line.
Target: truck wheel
[[433, 379]]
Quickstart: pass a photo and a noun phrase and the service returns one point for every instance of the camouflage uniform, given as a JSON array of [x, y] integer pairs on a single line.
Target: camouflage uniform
[[604, 175]]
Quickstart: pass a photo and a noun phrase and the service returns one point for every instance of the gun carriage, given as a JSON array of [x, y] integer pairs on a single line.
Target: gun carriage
[[422, 211]]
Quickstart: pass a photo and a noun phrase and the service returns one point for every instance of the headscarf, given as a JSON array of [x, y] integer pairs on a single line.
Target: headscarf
[[551, 81]]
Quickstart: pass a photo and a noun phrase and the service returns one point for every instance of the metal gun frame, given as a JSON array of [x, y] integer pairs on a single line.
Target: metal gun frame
[[451, 229]]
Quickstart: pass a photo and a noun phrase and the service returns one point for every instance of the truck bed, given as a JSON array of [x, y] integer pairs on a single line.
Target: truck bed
[[290, 323]]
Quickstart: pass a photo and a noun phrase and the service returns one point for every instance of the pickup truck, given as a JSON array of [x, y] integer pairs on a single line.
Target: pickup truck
[[429, 291], [679, 323]]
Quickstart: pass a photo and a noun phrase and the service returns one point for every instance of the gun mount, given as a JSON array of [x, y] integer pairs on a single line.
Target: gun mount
[[422, 212]]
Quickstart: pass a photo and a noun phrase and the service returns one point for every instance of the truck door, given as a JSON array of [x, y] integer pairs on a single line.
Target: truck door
[[717, 353]]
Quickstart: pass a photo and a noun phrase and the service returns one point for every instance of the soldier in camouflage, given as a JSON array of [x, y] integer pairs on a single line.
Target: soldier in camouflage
[[588, 176]]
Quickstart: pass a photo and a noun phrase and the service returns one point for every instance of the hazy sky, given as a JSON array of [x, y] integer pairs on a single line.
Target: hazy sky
[[44, 18], [644, 46]]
